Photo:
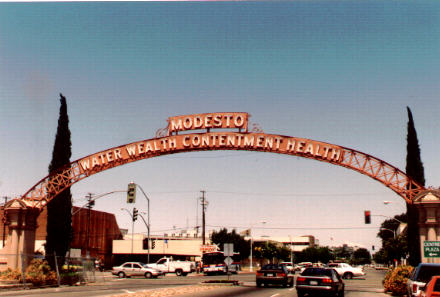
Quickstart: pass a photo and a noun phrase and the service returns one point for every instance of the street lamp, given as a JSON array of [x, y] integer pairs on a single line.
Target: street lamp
[[394, 231]]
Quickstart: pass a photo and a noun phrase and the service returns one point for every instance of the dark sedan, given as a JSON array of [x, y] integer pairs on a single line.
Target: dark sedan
[[319, 282], [274, 274]]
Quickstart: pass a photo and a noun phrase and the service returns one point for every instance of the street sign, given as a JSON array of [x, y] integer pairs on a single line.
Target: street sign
[[228, 249], [208, 248], [431, 249], [228, 261]]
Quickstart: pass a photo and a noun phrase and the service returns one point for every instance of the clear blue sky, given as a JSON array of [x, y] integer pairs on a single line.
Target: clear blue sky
[[342, 72]]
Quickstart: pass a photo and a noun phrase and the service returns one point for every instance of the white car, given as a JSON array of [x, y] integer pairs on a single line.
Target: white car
[[347, 271], [129, 269], [289, 266]]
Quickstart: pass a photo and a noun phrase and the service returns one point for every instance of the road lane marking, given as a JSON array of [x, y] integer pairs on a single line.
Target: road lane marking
[[275, 295]]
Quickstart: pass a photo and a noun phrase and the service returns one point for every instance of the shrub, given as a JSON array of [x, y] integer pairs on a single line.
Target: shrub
[[10, 274], [39, 274], [70, 278], [395, 280]]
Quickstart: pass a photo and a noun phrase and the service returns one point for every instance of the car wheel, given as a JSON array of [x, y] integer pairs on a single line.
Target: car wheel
[[121, 274], [348, 275], [341, 293], [258, 284], [179, 272], [148, 275], [291, 284], [300, 293]]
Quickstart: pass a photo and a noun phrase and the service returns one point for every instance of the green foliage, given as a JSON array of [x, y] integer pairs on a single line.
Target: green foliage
[[414, 169], [391, 224], [313, 254], [59, 215], [271, 251], [395, 280], [392, 248], [361, 256], [240, 244], [343, 253], [39, 273]]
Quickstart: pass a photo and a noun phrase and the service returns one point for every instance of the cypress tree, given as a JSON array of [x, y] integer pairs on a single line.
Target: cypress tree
[[414, 169], [59, 215]]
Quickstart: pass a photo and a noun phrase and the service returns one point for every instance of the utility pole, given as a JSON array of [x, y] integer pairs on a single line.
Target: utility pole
[[4, 220], [204, 204], [197, 218], [90, 204]]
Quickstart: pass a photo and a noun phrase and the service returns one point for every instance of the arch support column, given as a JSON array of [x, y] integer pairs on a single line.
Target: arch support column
[[428, 207], [22, 224]]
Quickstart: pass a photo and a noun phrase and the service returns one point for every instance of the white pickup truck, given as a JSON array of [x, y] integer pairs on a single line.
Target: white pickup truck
[[347, 271], [167, 265]]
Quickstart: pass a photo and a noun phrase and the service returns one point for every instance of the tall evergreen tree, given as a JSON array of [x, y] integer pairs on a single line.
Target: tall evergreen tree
[[414, 169], [59, 215]]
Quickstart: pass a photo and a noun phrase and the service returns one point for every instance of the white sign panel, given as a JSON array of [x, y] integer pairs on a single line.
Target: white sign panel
[[228, 249]]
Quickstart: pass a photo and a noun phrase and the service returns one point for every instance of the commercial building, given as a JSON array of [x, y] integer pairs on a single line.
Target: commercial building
[[183, 245]]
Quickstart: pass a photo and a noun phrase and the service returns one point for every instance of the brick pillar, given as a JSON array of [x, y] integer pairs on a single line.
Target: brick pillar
[[428, 206], [20, 245]]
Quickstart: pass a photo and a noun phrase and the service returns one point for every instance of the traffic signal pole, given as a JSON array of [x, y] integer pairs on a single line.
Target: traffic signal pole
[[90, 203], [148, 224]]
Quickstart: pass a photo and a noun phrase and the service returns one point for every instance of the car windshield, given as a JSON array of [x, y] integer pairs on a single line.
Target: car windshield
[[272, 267], [317, 272], [427, 272]]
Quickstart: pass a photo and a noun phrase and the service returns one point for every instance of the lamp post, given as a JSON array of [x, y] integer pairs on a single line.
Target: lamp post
[[394, 231]]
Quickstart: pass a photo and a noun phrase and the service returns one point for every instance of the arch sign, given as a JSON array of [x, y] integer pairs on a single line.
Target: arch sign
[[219, 131]]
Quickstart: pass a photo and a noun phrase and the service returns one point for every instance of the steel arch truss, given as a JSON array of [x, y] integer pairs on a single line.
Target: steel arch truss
[[50, 186]]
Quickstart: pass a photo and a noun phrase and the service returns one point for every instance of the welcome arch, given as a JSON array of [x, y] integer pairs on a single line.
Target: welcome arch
[[169, 141], [179, 136]]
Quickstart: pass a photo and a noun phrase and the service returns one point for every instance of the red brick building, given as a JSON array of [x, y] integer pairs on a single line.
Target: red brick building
[[102, 229]]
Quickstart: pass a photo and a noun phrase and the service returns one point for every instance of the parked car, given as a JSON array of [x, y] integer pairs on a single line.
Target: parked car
[[420, 276], [319, 281], [274, 274], [289, 266], [432, 288], [129, 269]]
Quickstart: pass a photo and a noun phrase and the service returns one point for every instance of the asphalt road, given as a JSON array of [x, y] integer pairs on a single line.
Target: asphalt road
[[107, 285]]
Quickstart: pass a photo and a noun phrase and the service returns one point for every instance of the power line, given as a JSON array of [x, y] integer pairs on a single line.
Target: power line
[[295, 228], [296, 194]]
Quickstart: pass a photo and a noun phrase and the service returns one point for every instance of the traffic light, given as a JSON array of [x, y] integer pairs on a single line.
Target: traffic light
[[131, 193], [145, 244], [153, 244], [135, 214], [367, 215]]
